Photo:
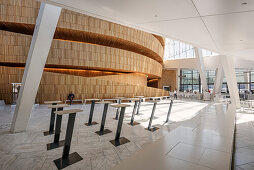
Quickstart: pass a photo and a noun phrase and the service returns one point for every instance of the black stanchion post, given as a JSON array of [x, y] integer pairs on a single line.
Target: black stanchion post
[[52, 122], [119, 141], [68, 159], [120, 123], [139, 103], [133, 123], [90, 123], [102, 131], [57, 143], [151, 119], [68, 137], [169, 110], [117, 110], [104, 116]]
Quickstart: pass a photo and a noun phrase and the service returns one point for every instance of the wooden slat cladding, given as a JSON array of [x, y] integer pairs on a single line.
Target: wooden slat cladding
[[168, 79], [160, 39], [56, 86], [83, 73], [26, 11], [63, 54], [85, 37]]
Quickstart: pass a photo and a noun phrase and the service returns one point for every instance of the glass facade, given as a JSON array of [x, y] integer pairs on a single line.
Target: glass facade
[[179, 50], [208, 53], [190, 80]]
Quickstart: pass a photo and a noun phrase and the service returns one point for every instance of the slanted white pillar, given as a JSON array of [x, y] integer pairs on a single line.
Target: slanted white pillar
[[229, 70], [201, 68], [247, 79], [218, 80], [42, 37], [177, 79]]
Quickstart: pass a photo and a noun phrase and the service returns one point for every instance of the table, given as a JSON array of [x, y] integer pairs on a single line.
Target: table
[[169, 110], [56, 142], [139, 103], [52, 118], [68, 159], [119, 101], [90, 123], [151, 118], [103, 131], [120, 140], [133, 123]]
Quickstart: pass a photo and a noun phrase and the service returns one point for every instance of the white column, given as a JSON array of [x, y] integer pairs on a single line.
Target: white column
[[177, 79], [201, 68], [229, 70], [218, 80], [247, 79], [40, 45]]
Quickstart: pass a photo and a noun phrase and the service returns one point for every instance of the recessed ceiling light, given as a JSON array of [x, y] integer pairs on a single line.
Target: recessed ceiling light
[[244, 3], [155, 15], [241, 40]]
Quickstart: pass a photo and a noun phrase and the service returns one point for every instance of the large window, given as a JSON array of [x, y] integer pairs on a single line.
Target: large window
[[208, 53], [179, 50], [210, 77], [189, 80]]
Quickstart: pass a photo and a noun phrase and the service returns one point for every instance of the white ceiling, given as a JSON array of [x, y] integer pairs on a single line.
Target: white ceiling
[[223, 26]]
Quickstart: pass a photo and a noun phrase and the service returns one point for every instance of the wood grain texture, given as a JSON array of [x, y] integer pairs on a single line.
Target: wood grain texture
[[131, 65], [14, 49], [26, 11], [70, 111], [84, 37], [160, 39], [168, 79], [55, 86]]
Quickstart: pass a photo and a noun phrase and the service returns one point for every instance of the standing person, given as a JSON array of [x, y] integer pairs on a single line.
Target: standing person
[[175, 94], [71, 96]]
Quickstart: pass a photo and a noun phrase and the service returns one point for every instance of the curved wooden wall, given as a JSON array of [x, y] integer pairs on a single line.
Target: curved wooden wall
[[26, 11], [55, 86], [14, 48], [84, 37], [131, 55]]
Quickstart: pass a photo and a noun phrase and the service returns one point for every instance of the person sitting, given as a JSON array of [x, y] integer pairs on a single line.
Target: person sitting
[[71, 96]]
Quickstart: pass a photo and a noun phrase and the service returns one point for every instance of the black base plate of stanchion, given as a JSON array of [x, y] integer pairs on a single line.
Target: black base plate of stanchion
[[63, 163], [169, 122], [55, 145], [90, 124], [120, 141], [152, 129], [46, 133], [104, 132], [134, 123]]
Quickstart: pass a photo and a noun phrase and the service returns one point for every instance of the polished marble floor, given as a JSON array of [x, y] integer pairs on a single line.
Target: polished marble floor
[[201, 143], [27, 150], [244, 152]]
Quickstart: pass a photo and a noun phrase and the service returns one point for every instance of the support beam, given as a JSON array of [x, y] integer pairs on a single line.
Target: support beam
[[201, 68], [229, 70], [177, 80], [40, 45], [218, 80], [246, 76]]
